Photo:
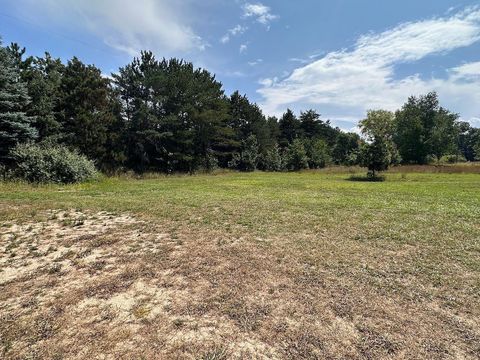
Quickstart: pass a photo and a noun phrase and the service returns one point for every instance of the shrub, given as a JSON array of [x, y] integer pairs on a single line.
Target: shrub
[[452, 159], [51, 163]]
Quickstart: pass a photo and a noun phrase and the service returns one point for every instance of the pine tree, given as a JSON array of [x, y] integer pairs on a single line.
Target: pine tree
[[296, 157], [15, 125], [289, 128]]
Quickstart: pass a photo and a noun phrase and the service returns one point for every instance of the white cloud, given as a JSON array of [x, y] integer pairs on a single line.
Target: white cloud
[[243, 48], [259, 12], [255, 62], [237, 30], [129, 26], [267, 82], [353, 80]]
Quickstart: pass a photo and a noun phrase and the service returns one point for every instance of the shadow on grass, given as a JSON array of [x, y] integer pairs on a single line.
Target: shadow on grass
[[366, 178]]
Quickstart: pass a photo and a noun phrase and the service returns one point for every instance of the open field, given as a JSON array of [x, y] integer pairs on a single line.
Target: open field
[[275, 266]]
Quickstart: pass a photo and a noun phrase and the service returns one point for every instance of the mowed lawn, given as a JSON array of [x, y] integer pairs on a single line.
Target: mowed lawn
[[242, 265]]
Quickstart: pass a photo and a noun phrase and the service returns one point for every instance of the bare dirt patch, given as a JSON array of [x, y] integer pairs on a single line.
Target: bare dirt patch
[[97, 285]]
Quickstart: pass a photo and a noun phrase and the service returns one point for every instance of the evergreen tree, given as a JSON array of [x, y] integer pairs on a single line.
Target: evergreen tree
[[289, 128], [296, 156], [15, 125], [86, 114], [272, 160], [248, 157], [310, 125], [176, 116], [247, 119]]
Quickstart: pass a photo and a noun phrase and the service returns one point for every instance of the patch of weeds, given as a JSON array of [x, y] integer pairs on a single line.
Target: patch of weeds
[[79, 222], [11, 246], [217, 353], [141, 311], [51, 249], [55, 269], [97, 266], [44, 327], [67, 222], [53, 216], [178, 323], [373, 344]]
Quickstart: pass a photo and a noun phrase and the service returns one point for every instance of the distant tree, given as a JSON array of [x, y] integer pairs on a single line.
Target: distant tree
[[272, 160], [274, 130], [289, 128], [377, 152], [469, 141], [247, 119], [423, 129], [42, 76], [176, 116], [445, 134], [375, 156], [380, 124], [310, 125], [44, 79], [346, 144], [296, 156], [15, 125], [248, 157], [318, 153], [86, 115]]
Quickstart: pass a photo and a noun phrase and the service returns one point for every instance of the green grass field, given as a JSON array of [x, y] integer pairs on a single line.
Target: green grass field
[[254, 265]]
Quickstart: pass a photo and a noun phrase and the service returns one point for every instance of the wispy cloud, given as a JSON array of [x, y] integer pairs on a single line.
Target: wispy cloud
[[129, 26], [363, 77], [255, 62], [259, 12], [243, 48], [237, 30]]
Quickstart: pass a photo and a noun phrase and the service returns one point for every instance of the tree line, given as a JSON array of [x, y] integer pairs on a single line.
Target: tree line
[[168, 116]]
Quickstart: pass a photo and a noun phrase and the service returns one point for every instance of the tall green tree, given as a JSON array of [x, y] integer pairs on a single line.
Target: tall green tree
[[247, 119], [318, 153], [310, 124], [15, 125], [296, 156], [380, 124], [423, 129], [375, 156], [176, 116], [289, 128], [86, 109], [346, 144]]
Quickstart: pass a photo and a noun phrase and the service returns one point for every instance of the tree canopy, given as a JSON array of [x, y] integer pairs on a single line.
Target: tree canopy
[[166, 115]]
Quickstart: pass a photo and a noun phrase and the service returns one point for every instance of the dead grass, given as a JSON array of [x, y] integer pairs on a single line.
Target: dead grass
[[86, 284]]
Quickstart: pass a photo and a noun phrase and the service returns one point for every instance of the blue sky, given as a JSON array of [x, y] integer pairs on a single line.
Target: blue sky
[[339, 57]]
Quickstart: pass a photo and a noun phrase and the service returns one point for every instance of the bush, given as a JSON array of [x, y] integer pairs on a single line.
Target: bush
[[452, 159], [51, 163]]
